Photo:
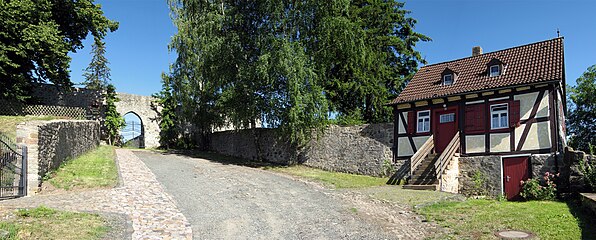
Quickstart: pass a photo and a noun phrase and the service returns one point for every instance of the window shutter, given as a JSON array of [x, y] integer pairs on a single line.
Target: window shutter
[[474, 118], [514, 120], [411, 122]]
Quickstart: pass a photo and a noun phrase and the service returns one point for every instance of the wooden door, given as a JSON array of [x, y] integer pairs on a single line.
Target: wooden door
[[515, 170], [445, 128]]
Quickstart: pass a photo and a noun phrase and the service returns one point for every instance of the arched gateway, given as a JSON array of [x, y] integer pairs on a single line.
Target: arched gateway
[[141, 107]]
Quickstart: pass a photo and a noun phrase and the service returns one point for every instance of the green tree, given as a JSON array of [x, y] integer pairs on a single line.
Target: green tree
[[582, 111], [281, 63], [168, 121], [364, 50], [97, 74], [36, 37], [114, 121]]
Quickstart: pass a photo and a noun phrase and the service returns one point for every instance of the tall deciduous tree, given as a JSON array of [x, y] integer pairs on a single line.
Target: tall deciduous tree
[[97, 74], [582, 111], [282, 62], [36, 37]]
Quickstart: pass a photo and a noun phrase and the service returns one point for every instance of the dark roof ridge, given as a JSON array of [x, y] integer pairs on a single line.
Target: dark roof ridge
[[525, 45]]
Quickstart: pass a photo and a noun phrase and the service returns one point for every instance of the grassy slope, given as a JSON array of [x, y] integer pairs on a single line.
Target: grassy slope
[[335, 179], [45, 223], [91, 170], [8, 124], [479, 219]]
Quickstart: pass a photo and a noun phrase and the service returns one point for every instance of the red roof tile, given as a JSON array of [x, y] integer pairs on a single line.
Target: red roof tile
[[528, 64]]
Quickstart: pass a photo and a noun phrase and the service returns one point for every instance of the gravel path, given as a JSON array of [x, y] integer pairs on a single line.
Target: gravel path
[[234, 202], [140, 197]]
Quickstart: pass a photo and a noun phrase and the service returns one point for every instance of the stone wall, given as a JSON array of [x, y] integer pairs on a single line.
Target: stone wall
[[571, 173], [480, 175], [254, 144], [356, 149], [450, 178], [362, 149], [50, 143]]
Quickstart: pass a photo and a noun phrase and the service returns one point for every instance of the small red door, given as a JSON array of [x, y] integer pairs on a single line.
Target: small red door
[[515, 170], [445, 128]]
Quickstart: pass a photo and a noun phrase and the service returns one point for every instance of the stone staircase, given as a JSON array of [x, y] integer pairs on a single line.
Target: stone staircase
[[424, 177]]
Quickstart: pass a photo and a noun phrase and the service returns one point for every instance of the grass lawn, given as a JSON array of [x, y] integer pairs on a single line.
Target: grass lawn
[[408, 197], [335, 179], [45, 223], [8, 124], [94, 169], [479, 219]]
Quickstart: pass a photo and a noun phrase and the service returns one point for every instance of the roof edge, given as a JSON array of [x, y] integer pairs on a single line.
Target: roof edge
[[501, 50], [476, 91]]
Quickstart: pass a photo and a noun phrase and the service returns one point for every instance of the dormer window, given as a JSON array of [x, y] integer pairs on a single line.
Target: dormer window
[[447, 79], [495, 70], [495, 67]]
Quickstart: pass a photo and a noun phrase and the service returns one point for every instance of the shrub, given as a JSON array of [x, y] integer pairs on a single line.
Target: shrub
[[588, 169], [534, 190]]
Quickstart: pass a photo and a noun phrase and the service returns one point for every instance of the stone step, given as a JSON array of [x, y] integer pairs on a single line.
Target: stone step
[[421, 187], [423, 181]]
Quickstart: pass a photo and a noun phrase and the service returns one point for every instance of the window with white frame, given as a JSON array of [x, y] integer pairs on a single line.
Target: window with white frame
[[447, 79], [423, 121], [495, 70], [499, 116]]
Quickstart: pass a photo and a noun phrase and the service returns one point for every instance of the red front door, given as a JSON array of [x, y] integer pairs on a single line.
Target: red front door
[[515, 170], [445, 122]]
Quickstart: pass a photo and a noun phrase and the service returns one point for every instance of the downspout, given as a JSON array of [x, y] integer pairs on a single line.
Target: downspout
[[557, 125]]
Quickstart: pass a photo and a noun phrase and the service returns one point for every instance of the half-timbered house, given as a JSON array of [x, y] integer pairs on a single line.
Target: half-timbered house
[[497, 116]]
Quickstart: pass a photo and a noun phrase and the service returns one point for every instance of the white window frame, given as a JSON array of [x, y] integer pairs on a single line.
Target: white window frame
[[501, 114], [452, 79], [420, 126], [498, 73]]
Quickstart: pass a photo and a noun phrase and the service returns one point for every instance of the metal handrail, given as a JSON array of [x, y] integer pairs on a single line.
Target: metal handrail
[[421, 154], [447, 155]]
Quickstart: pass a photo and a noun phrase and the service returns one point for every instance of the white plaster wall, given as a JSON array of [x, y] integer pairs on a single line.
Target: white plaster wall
[[474, 143], [543, 107], [538, 137], [500, 142], [527, 103], [401, 129], [419, 141], [403, 148]]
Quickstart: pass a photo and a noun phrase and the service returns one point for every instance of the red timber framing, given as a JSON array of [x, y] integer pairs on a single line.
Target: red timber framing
[[466, 128]]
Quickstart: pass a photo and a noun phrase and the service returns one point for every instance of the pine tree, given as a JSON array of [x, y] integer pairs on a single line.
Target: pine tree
[[97, 74], [114, 121]]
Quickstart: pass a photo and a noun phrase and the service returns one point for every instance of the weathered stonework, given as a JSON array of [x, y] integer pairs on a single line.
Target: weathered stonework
[[571, 175], [486, 170], [358, 149], [49, 143], [362, 149], [253, 144], [450, 178], [141, 106]]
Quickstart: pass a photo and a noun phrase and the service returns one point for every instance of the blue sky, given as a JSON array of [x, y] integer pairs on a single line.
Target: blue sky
[[138, 51]]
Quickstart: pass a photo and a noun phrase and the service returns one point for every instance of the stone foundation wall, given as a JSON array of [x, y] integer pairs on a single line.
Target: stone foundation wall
[[450, 178], [362, 149], [482, 175], [50, 143]]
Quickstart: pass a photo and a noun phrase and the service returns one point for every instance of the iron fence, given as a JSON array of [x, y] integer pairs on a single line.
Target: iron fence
[[13, 169]]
